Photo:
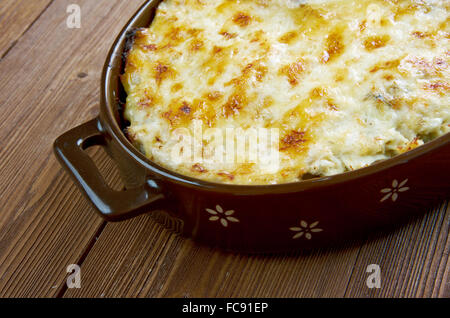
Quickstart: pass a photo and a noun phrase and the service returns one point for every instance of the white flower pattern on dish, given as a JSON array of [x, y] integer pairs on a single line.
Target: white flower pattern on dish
[[223, 216], [395, 190], [305, 230]]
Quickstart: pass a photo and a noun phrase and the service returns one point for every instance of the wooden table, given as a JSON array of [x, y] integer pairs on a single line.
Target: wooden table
[[50, 77]]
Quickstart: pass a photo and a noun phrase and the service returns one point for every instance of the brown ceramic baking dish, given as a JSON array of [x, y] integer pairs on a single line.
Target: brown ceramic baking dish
[[306, 214]]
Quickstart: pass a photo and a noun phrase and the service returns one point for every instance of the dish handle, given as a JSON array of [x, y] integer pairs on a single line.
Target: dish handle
[[112, 205]]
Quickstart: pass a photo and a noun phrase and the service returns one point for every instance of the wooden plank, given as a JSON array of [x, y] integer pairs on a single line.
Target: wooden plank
[[52, 228], [202, 273], [146, 261], [45, 224], [122, 258], [16, 16], [413, 260], [139, 258]]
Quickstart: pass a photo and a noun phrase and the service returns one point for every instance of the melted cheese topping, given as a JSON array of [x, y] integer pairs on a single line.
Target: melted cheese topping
[[346, 83]]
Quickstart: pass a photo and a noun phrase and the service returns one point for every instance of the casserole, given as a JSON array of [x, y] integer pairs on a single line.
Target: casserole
[[335, 85], [258, 218]]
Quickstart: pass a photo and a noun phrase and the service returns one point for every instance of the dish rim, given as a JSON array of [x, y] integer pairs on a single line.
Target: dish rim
[[109, 101]]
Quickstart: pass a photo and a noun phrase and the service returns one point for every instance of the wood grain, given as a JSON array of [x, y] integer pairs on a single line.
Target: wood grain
[[50, 83], [413, 259], [171, 266], [157, 263], [124, 269], [16, 16], [45, 224]]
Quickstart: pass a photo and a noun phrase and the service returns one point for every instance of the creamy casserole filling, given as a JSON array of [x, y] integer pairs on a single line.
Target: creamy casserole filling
[[337, 85]]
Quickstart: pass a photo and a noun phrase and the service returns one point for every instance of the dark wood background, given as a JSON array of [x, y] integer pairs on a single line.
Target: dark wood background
[[50, 77]]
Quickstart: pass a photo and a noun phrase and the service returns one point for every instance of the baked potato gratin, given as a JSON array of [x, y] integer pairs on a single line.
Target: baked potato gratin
[[341, 84]]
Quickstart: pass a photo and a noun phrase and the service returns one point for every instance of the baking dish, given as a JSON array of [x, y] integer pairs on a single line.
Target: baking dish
[[267, 218]]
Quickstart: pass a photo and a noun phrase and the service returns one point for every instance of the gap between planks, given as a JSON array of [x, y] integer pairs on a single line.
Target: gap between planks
[[83, 257], [14, 43]]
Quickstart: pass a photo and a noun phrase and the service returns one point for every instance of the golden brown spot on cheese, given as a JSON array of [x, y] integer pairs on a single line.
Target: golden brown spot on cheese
[[185, 108], [205, 111], [226, 175], [217, 49], [298, 118], [288, 37], [409, 146], [320, 93], [341, 74], [444, 27], [286, 172], [293, 71], [362, 26], [170, 117], [140, 36], [247, 69], [179, 114], [228, 35], [361, 122], [242, 19], [293, 140], [332, 105], [253, 69], [405, 7], [309, 20], [421, 35], [150, 47], [164, 19], [434, 67], [196, 45], [383, 100], [260, 72], [224, 6], [214, 96], [244, 169], [217, 62], [194, 32], [198, 168], [388, 65], [334, 47], [235, 103], [442, 88], [385, 22], [375, 42], [175, 34], [297, 129], [263, 3], [258, 36], [268, 101], [148, 99], [176, 87], [162, 71], [413, 144]]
